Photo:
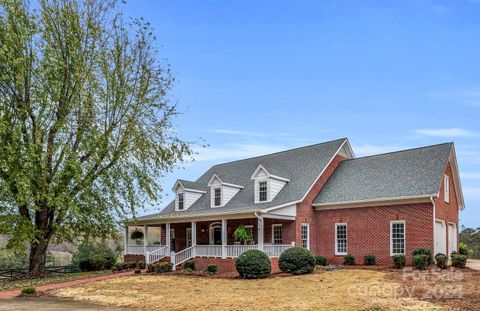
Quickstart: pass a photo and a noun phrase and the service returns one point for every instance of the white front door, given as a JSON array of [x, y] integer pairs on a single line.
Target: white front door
[[440, 238], [452, 238]]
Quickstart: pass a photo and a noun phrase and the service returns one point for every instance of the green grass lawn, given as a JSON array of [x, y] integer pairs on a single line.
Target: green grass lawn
[[10, 284]]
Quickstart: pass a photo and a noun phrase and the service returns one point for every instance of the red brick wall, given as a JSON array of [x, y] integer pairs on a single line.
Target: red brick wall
[[133, 258], [226, 265], [447, 212], [305, 211], [368, 230]]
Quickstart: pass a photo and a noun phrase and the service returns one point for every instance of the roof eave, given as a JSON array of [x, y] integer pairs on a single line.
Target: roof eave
[[376, 202]]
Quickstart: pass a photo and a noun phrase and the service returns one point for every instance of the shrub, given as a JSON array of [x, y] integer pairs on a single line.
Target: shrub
[[463, 249], [370, 260], [296, 260], [441, 260], [162, 267], [86, 265], [212, 269], [421, 261], [137, 271], [253, 264], [459, 261], [114, 268], [189, 265], [399, 261], [151, 267], [98, 264], [136, 235], [424, 251], [320, 260], [141, 264], [110, 261], [349, 260], [28, 291]]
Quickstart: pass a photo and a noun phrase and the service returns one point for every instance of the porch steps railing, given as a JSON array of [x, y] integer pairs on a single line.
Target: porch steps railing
[[181, 256], [156, 255]]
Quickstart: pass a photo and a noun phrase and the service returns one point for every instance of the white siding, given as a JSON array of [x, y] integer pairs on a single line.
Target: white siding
[[261, 175], [188, 198], [275, 187], [228, 193]]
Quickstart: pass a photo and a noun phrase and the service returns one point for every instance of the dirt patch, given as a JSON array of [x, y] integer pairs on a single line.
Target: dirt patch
[[323, 290]]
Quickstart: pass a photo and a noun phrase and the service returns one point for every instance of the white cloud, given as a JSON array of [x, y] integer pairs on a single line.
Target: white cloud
[[470, 175], [236, 151], [471, 192], [446, 132], [368, 149]]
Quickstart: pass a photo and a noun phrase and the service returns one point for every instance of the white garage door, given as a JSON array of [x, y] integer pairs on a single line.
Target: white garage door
[[440, 238], [452, 238]]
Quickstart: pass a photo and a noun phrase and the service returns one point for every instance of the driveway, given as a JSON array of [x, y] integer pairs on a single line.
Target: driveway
[[49, 304], [473, 264]]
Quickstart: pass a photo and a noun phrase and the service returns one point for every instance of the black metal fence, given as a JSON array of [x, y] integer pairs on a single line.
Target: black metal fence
[[18, 272]]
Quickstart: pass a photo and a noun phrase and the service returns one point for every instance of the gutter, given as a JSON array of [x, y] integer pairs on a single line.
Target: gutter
[[434, 217]]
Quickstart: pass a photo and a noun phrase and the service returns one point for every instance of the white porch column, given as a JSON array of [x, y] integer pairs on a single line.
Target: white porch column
[[260, 233], [125, 252], [167, 237], [194, 237], [145, 238], [224, 238]]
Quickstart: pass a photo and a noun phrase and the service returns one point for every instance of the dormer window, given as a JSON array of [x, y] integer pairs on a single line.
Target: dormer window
[[218, 196], [180, 201], [262, 191]]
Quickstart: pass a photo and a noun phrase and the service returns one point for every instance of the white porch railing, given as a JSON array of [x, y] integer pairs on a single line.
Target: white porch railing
[[140, 249], [208, 250], [236, 250], [274, 250], [181, 256], [156, 255]]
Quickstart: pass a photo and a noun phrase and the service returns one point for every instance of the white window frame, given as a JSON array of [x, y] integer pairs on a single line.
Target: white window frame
[[446, 188], [250, 228], [337, 253], [307, 225], [273, 233], [266, 191], [188, 237], [404, 236], [214, 196], [181, 194]]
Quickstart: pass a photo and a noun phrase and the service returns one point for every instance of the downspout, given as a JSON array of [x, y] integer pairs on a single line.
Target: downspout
[[434, 216]]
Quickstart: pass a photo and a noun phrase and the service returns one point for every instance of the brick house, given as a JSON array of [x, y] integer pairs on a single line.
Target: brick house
[[320, 197]]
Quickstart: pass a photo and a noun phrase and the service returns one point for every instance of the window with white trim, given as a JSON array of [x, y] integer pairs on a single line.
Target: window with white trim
[[446, 187], [341, 241], [397, 237], [262, 191], [189, 237], [277, 233], [180, 201], [217, 197], [305, 236]]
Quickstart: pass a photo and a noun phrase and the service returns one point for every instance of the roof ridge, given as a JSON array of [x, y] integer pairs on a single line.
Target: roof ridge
[[282, 151], [398, 151]]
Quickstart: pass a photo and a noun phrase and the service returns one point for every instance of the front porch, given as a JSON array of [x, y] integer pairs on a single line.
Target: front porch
[[209, 239]]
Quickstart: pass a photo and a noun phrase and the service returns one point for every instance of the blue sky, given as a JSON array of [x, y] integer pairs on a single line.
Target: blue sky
[[255, 77]]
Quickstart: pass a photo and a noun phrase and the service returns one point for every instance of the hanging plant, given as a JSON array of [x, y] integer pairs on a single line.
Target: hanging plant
[[241, 234], [136, 235]]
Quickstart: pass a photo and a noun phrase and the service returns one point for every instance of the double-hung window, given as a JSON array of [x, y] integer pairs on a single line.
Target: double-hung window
[[446, 187], [341, 241], [397, 237], [277, 234], [180, 201], [249, 228], [262, 191], [217, 196], [305, 236], [189, 237]]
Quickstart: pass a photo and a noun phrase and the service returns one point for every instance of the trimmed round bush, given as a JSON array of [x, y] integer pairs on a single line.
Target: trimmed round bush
[[296, 260], [441, 260], [253, 264], [189, 265], [463, 249], [421, 261], [349, 260], [369, 260], [424, 251], [320, 260], [399, 261], [212, 269], [28, 291], [459, 261]]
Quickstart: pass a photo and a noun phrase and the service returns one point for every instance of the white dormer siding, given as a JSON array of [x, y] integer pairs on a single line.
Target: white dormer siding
[[227, 191], [274, 184], [190, 196]]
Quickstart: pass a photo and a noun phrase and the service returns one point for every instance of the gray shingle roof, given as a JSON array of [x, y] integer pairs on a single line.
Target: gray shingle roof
[[414, 172], [187, 184], [301, 166]]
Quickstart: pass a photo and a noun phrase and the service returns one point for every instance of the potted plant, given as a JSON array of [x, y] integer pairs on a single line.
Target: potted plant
[[137, 236], [242, 235]]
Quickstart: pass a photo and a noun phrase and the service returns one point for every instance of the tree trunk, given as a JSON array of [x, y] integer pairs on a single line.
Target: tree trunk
[[38, 253]]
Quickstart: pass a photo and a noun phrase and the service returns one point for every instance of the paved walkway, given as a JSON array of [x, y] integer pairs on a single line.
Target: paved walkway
[[473, 264], [49, 304], [12, 293]]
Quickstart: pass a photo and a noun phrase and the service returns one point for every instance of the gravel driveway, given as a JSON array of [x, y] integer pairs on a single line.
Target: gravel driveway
[[50, 304]]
